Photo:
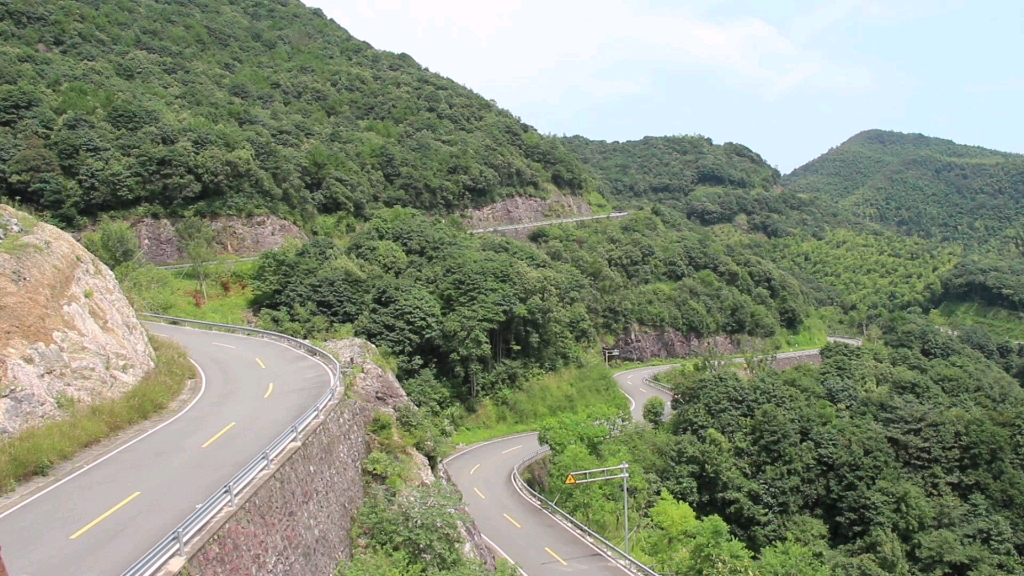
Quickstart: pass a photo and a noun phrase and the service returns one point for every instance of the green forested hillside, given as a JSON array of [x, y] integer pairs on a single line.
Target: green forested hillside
[[900, 458], [219, 106], [673, 167], [903, 458], [473, 315], [922, 186], [711, 184]]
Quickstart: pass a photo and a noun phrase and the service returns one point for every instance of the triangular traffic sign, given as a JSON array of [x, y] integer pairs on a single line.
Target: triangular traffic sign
[[571, 479]]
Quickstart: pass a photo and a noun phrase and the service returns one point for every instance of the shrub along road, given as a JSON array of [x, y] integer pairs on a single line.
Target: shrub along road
[[103, 518], [525, 534]]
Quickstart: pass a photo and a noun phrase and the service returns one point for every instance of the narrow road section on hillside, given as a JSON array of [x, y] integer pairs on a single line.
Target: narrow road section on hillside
[[520, 531], [528, 536], [105, 516], [548, 222]]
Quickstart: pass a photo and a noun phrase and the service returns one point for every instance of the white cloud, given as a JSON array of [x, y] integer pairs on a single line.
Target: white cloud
[[602, 47]]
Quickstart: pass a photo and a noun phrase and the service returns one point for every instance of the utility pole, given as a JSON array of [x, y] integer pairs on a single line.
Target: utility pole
[[598, 474]]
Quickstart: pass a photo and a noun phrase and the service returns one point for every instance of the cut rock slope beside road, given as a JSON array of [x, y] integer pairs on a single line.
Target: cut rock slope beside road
[[67, 332]]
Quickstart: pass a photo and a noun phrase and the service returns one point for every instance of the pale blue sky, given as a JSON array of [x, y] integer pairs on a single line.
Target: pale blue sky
[[787, 78]]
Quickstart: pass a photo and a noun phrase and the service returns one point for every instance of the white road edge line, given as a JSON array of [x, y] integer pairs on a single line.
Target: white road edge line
[[562, 524], [479, 444], [313, 358], [175, 417], [502, 552], [573, 532], [202, 389]]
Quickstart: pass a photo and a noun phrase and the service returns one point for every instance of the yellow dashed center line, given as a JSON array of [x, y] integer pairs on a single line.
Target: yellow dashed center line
[[260, 362], [479, 493], [514, 523], [513, 448], [474, 468], [555, 556], [104, 516], [224, 345], [218, 435], [269, 390]]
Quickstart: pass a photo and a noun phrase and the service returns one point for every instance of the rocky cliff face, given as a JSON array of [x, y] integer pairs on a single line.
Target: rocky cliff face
[[524, 210], [642, 345], [67, 333], [237, 236]]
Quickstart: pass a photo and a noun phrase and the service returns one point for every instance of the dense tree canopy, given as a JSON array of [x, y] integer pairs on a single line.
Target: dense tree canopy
[[478, 313], [903, 458], [253, 106], [711, 184], [921, 186]]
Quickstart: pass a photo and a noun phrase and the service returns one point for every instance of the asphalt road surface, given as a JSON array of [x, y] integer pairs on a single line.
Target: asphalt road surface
[[103, 518], [522, 532]]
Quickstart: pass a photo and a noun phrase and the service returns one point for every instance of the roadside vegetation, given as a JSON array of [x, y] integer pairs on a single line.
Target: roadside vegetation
[[405, 526], [843, 468], [567, 391], [227, 298], [36, 451]]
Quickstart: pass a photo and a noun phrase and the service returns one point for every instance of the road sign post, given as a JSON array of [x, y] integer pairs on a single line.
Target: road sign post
[[608, 353], [610, 473]]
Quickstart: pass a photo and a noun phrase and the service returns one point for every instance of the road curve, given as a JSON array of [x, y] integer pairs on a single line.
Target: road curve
[[104, 517], [519, 530]]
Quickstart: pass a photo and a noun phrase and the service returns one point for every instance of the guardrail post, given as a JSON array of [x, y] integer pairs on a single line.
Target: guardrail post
[[181, 542], [231, 494]]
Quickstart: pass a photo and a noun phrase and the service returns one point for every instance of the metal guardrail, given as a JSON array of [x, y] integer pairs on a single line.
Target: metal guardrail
[[175, 542], [652, 382], [547, 222], [612, 551]]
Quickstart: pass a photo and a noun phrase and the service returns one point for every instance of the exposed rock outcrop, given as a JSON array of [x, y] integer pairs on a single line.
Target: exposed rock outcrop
[[67, 332], [372, 384], [234, 235], [641, 345], [523, 210]]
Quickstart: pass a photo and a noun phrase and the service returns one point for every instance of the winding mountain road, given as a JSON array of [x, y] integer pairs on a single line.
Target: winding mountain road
[[521, 531], [107, 514], [525, 534]]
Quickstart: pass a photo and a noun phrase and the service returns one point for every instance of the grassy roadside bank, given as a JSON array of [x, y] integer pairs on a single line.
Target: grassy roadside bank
[[176, 292], [35, 451], [566, 391], [573, 389]]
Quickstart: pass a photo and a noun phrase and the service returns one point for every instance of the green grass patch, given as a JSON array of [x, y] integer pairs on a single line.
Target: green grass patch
[[813, 333], [35, 451], [597, 202], [999, 322], [561, 392], [12, 243], [176, 293]]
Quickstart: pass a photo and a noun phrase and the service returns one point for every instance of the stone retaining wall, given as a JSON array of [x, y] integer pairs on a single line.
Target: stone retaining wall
[[299, 520]]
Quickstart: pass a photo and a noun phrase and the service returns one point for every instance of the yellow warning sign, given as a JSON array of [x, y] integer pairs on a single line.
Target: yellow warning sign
[[571, 479]]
